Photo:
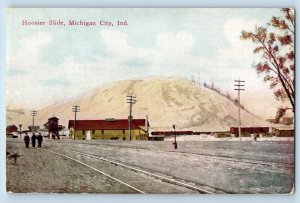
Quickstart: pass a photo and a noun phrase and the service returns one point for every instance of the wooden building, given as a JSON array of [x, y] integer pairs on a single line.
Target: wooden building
[[283, 131], [109, 129], [53, 127]]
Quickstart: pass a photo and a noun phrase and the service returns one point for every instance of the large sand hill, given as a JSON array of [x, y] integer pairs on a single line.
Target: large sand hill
[[166, 101]]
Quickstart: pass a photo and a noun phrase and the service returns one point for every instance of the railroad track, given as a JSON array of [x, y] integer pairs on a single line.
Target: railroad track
[[97, 170], [137, 170], [209, 156]]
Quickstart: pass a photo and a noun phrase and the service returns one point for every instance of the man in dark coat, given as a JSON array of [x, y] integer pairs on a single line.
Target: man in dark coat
[[33, 140], [40, 140], [27, 140]]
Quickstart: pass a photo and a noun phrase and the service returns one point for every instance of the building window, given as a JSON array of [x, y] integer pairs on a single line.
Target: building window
[[102, 131], [93, 132], [83, 132], [124, 131]]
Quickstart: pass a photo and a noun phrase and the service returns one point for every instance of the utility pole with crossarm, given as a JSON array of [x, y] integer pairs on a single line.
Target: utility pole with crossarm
[[239, 86], [130, 100], [33, 114], [75, 109]]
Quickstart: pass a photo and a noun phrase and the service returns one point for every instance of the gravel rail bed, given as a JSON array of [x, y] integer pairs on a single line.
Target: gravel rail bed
[[269, 169], [38, 171], [144, 182]]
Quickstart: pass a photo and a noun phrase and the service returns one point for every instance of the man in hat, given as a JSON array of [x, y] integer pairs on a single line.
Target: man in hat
[[26, 140], [33, 140], [40, 140]]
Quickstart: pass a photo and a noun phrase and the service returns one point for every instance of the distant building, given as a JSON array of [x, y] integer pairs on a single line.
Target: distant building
[[11, 131], [53, 127], [287, 120], [34, 128], [283, 131], [109, 129]]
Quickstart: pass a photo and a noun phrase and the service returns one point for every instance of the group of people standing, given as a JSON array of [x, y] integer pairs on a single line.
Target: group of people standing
[[34, 138]]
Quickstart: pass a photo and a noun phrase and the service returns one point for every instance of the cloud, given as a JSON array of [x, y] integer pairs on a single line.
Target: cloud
[[29, 51], [238, 49], [17, 71], [136, 62], [58, 82], [233, 27], [171, 55], [175, 43], [117, 43], [169, 45], [238, 56]]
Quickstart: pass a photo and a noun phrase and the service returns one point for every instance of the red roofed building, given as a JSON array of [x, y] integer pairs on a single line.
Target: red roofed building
[[11, 129], [109, 129]]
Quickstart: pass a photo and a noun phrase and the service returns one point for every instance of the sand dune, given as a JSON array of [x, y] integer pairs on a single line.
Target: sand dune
[[166, 101]]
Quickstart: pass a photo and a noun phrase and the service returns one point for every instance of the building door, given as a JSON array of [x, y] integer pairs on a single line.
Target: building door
[[88, 135]]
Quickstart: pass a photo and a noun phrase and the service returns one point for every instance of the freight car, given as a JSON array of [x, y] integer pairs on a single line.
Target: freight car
[[247, 131]]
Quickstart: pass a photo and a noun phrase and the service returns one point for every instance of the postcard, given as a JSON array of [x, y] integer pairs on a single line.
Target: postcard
[[150, 100]]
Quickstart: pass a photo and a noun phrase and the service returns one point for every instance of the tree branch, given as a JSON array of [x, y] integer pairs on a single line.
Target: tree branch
[[276, 65]]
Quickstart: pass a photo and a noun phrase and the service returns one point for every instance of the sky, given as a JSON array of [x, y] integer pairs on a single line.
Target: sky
[[46, 64]]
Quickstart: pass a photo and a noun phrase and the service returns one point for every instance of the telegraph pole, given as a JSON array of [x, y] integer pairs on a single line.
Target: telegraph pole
[[33, 114], [75, 109], [239, 86], [130, 100]]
